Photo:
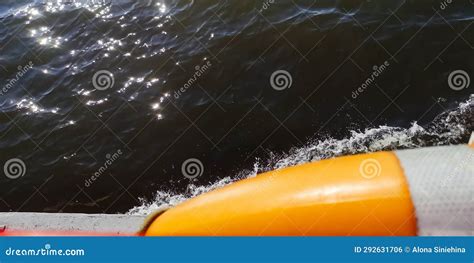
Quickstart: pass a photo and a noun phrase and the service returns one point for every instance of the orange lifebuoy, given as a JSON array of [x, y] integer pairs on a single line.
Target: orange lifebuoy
[[367, 194]]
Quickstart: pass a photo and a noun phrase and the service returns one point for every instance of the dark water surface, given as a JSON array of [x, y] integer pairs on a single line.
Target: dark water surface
[[192, 79]]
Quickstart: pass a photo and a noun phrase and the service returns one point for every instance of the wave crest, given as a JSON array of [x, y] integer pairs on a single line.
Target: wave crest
[[450, 127]]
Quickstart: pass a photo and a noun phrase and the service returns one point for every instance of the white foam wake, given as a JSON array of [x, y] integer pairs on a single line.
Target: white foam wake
[[167, 199], [450, 127]]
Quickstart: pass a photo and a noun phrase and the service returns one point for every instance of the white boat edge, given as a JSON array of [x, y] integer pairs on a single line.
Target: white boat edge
[[71, 222]]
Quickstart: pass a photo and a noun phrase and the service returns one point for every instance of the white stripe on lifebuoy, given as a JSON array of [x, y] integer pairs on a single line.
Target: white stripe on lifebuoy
[[441, 183]]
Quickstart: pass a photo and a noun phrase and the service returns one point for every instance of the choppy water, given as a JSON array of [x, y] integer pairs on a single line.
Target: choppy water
[[192, 79]]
